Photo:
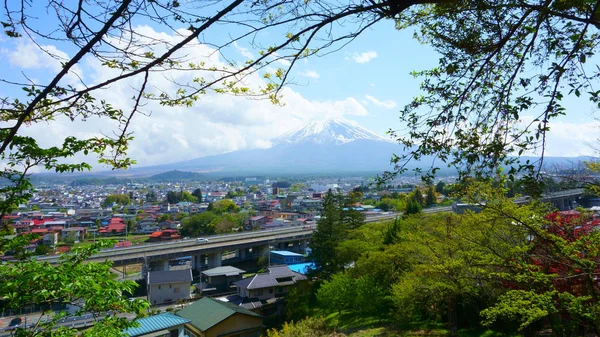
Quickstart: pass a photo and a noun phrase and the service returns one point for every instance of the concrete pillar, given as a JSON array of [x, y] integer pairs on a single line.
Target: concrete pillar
[[241, 253], [263, 251], [214, 260], [159, 265], [198, 261]]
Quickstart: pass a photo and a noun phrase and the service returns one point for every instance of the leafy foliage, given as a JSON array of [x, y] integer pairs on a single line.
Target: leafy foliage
[[491, 74], [89, 285], [119, 199]]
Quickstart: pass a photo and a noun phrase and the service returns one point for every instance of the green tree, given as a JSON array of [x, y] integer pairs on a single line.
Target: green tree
[[329, 234], [413, 207], [70, 281], [198, 194], [174, 197], [417, 196], [224, 206], [430, 197], [309, 327], [119, 199], [338, 293], [440, 187], [151, 196], [384, 205], [131, 225], [164, 217], [477, 54], [200, 224]]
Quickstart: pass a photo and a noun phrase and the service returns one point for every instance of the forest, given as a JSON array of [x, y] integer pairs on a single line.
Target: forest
[[508, 270]]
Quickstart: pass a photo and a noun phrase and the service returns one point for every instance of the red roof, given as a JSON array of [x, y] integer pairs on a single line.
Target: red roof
[[156, 235]]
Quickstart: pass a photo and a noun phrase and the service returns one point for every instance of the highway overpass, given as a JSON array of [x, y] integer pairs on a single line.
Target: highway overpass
[[209, 253]]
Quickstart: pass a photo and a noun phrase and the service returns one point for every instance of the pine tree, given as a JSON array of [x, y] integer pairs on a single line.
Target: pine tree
[[413, 207], [330, 232], [430, 198], [198, 194], [417, 195]]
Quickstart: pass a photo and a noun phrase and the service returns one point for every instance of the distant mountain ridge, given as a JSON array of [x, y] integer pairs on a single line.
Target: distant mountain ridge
[[327, 146], [324, 146]]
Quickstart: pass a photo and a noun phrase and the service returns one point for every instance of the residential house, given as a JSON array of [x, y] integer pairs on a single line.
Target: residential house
[[147, 225], [167, 234], [222, 278], [73, 234], [215, 196], [258, 221], [285, 257], [115, 226], [169, 286], [49, 238], [162, 325], [276, 282], [273, 213], [212, 318]]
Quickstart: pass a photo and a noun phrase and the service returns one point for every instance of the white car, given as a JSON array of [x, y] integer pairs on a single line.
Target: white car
[[201, 240]]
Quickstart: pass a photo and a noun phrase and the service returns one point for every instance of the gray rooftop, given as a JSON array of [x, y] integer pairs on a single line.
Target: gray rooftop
[[170, 276], [224, 270], [272, 278]]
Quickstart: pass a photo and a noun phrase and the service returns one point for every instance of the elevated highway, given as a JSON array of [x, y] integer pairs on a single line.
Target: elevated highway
[[294, 238], [249, 244]]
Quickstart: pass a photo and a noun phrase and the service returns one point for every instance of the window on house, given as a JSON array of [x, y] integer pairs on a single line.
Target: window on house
[[170, 286], [270, 290], [158, 287], [177, 290], [259, 292], [280, 289]]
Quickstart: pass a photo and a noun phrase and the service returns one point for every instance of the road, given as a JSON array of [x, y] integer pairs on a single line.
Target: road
[[74, 322]]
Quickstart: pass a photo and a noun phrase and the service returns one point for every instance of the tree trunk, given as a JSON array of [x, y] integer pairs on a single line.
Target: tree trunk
[[452, 319]]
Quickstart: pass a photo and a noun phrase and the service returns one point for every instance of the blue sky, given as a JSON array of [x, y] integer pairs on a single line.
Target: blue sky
[[368, 82]]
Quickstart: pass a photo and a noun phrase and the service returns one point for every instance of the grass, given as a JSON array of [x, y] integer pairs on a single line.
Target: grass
[[353, 325], [134, 239], [441, 332]]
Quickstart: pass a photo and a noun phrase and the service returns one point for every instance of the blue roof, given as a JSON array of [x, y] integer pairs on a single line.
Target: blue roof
[[302, 268], [284, 253], [156, 323]]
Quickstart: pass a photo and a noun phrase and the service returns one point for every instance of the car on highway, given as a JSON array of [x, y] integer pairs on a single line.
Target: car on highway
[[15, 323], [201, 240]]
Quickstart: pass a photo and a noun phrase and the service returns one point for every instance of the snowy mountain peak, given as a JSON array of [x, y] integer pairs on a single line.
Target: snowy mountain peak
[[333, 131]]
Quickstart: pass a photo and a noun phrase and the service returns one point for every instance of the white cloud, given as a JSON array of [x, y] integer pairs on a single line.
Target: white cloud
[[244, 51], [28, 56], [568, 139], [310, 73], [364, 57], [215, 124], [388, 104]]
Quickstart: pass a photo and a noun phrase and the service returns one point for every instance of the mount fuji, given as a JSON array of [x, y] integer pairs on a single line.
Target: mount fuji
[[333, 131], [325, 146]]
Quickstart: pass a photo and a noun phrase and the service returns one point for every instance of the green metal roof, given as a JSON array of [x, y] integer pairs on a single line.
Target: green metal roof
[[207, 312], [156, 323]]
